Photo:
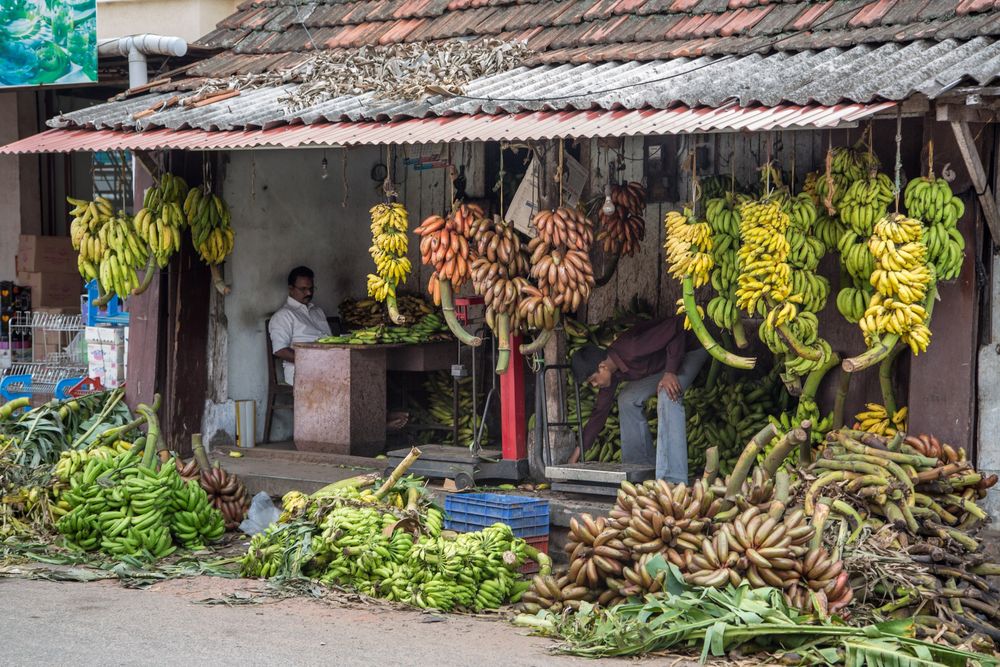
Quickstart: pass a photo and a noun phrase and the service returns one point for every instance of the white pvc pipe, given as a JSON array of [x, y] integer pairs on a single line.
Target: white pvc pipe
[[136, 48]]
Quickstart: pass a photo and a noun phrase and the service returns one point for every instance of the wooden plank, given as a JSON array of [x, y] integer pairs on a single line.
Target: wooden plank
[[970, 155], [144, 347]]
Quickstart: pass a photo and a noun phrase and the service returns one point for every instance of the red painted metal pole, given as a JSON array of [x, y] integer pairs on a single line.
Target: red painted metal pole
[[513, 423]]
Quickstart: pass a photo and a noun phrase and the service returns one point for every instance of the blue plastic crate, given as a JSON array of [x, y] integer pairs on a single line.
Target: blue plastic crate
[[466, 512]]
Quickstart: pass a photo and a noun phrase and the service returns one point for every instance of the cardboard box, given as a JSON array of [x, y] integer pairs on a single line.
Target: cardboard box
[[106, 359], [52, 290], [524, 204], [48, 254]]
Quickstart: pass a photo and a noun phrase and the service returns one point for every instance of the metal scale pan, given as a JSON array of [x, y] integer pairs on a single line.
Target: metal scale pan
[[596, 478]]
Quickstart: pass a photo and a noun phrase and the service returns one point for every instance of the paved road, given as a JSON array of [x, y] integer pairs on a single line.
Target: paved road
[[102, 623]]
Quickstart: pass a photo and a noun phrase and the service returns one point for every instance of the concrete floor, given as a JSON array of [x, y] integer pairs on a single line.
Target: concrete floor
[[103, 623]]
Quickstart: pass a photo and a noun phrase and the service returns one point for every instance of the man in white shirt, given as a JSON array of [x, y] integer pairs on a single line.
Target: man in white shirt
[[298, 321]]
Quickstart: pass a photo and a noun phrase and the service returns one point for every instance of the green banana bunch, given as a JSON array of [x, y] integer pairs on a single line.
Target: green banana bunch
[[865, 201], [438, 409], [109, 249], [844, 166], [931, 201], [211, 225], [160, 220], [430, 327], [723, 217]]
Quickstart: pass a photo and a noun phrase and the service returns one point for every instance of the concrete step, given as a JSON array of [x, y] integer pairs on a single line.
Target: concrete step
[[277, 476]]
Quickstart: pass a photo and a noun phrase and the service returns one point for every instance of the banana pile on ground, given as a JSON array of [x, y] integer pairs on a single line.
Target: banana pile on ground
[[722, 215], [359, 314], [688, 247], [110, 250], [559, 265], [445, 247], [162, 217], [499, 273], [726, 415], [225, 491], [622, 231], [425, 329], [388, 250], [931, 201], [211, 229], [876, 419], [438, 409], [392, 549], [902, 279], [711, 540], [122, 505], [607, 446]]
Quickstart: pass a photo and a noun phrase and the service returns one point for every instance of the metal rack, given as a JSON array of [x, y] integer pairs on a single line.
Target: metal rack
[[53, 358]]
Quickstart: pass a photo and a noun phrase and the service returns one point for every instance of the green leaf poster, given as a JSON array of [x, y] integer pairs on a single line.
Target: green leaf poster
[[47, 42]]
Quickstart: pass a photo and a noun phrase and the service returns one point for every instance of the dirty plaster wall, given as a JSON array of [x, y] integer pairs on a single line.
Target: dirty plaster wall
[[285, 214]]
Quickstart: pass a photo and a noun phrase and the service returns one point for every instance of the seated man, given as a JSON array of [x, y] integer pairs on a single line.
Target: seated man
[[298, 321], [652, 358]]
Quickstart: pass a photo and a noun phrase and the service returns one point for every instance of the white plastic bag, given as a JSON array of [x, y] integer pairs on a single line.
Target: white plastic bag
[[261, 515]]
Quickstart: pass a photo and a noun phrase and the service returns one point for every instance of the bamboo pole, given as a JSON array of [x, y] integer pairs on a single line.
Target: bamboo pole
[[398, 473]]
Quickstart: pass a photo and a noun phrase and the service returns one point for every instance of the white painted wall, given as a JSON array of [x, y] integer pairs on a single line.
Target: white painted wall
[[189, 19], [10, 178]]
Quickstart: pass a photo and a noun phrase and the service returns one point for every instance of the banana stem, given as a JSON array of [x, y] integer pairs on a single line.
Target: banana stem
[[813, 380], [503, 343], [218, 281], [800, 349], [740, 334], [103, 298], [9, 408], [711, 464], [200, 457], [705, 338], [714, 370], [840, 402], [543, 560], [398, 473], [448, 308], [147, 277], [394, 314], [541, 340], [747, 458], [609, 271], [789, 441], [876, 354], [357, 482], [885, 380]]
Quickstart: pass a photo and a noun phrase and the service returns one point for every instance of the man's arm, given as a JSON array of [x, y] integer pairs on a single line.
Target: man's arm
[[599, 416], [675, 354], [280, 329]]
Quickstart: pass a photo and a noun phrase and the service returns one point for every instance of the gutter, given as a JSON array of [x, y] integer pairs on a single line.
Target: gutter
[[136, 48]]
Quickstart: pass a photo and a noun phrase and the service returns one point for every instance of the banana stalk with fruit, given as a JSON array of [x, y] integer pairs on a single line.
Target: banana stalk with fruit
[[389, 246]]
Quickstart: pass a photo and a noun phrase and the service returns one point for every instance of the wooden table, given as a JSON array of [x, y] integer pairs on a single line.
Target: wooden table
[[340, 391]]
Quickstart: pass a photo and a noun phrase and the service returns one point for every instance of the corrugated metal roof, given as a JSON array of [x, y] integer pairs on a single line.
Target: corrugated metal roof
[[861, 74], [513, 127]]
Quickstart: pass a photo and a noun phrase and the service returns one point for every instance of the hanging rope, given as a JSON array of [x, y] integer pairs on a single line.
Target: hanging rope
[[388, 189], [559, 178], [694, 179], [502, 216], [899, 158], [791, 186], [343, 176], [930, 160]]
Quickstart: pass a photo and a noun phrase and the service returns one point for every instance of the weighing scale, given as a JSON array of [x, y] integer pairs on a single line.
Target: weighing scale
[[466, 466]]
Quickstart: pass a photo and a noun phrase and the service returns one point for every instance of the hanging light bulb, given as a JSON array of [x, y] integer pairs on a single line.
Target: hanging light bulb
[[609, 206], [323, 172]]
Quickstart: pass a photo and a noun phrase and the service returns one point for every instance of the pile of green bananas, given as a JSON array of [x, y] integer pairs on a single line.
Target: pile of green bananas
[[727, 414], [211, 229], [428, 328], [160, 220], [439, 409], [607, 447], [383, 552], [110, 250], [604, 333], [807, 409], [123, 507], [931, 201]]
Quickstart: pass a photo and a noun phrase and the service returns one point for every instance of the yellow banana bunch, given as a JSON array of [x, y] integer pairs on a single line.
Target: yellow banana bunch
[[682, 311], [688, 247], [764, 271], [160, 220], [110, 251], [901, 279], [211, 225], [389, 223], [876, 419]]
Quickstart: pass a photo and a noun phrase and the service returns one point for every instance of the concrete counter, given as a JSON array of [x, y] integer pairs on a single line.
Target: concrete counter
[[340, 391]]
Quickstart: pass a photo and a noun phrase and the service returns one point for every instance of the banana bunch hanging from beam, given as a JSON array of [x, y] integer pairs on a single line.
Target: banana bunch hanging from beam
[[931, 201], [902, 278], [764, 270], [444, 245], [724, 219], [500, 271], [160, 220], [211, 229], [389, 245], [805, 253], [688, 247], [844, 166], [110, 251]]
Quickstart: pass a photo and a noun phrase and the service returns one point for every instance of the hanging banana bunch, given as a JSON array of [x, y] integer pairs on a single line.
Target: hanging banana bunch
[[805, 252], [211, 230], [110, 252], [688, 247], [389, 245], [623, 230], [902, 280], [444, 245], [844, 166], [723, 218], [160, 220], [931, 201]]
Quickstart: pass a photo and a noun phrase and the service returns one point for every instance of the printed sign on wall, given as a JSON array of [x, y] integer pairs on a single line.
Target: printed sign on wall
[[48, 42]]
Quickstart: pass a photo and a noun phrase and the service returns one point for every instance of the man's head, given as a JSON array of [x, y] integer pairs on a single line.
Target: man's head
[[300, 284], [591, 364]]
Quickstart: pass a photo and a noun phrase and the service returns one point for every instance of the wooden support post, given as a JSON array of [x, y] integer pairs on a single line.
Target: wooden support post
[[970, 155]]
